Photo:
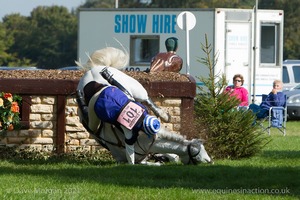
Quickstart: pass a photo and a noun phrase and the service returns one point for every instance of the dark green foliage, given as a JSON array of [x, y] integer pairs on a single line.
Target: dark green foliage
[[99, 4], [47, 39], [76, 156], [229, 132]]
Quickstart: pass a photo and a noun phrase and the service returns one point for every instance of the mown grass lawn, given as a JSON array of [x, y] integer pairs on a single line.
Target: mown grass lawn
[[273, 174]]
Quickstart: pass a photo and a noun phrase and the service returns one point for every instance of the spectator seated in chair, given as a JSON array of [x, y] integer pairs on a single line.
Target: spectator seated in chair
[[274, 99], [238, 90]]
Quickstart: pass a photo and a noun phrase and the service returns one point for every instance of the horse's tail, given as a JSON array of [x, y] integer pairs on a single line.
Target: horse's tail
[[125, 51], [82, 66]]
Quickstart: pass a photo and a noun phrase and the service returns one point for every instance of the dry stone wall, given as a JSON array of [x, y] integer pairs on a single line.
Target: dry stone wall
[[42, 131]]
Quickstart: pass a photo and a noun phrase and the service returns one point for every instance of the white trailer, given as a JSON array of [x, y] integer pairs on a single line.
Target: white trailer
[[247, 41]]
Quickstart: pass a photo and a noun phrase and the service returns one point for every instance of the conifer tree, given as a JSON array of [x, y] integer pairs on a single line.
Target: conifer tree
[[229, 132]]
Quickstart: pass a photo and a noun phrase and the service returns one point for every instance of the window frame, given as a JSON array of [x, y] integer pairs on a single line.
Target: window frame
[[135, 60], [264, 38]]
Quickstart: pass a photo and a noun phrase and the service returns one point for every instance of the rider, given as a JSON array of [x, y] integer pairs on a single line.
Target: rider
[[107, 92]]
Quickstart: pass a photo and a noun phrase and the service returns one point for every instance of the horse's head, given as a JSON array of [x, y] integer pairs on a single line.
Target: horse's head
[[196, 153]]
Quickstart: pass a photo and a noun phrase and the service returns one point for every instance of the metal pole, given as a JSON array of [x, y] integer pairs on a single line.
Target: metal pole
[[116, 3], [187, 44], [254, 50]]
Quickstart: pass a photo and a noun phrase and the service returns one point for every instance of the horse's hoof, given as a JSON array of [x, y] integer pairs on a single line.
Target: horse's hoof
[[165, 117]]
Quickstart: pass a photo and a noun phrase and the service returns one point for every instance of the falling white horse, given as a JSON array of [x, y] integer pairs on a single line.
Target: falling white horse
[[113, 137], [165, 142]]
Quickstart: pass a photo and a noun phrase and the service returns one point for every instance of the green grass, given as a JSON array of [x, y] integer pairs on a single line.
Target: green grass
[[273, 174], [293, 127]]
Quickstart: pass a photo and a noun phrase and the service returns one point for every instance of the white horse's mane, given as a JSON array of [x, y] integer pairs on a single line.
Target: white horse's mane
[[172, 137]]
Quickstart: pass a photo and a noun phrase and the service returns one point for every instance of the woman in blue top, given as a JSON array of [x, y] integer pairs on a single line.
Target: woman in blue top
[[274, 98]]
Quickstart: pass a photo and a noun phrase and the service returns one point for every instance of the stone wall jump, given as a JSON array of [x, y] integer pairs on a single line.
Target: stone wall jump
[[50, 120]]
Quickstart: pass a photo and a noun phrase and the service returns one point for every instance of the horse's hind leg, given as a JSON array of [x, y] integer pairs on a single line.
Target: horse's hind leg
[[158, 111]]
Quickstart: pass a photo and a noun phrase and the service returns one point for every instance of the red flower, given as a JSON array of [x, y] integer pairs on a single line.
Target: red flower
[[8, 96]]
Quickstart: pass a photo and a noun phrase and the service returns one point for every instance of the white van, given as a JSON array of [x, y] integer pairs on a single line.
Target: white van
[[290, 73]]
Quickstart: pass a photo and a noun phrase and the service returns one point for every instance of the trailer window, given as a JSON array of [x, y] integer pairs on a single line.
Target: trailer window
[[296, 71], [269, 49], [285, 75], [143, 49]]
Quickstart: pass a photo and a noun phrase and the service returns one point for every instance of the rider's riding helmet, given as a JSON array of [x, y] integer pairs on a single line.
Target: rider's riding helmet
[[171, 44], [151, 125]]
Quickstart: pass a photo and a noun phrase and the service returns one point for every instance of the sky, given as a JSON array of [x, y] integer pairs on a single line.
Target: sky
[[24, 7]]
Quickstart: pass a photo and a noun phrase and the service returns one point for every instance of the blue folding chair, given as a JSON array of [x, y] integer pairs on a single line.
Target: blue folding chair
[[277, 118]]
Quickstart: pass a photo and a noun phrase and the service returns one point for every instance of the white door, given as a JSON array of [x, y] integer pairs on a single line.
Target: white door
[[238, 51]]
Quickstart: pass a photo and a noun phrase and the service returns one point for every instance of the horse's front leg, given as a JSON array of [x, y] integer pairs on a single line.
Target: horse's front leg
[[158, 111], [129, 148]]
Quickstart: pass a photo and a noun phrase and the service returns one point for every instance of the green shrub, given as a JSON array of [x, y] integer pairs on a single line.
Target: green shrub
[[229, 132]]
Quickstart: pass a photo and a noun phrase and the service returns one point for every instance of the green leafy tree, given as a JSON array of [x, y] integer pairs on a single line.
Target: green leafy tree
[[52, 39], [99, 4], [16, 26], [168, 4], [46, 39], [230, 133], [4, 56], [291, 29]]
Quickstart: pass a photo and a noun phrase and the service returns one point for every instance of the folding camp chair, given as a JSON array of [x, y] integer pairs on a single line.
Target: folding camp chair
[[276, 118]]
